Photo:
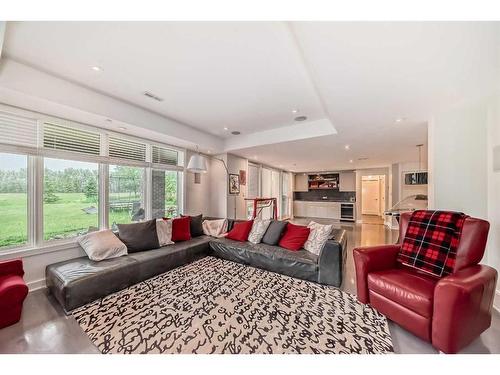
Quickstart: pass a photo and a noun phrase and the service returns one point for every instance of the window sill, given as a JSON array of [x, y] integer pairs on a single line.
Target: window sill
[[22, 252]]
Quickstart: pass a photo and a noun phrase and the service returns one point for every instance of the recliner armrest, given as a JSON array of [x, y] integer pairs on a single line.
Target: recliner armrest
[[462, 307], [372, 259], [11, 267]]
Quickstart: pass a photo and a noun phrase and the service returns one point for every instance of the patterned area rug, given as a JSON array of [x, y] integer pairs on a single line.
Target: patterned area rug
[[217, 306]]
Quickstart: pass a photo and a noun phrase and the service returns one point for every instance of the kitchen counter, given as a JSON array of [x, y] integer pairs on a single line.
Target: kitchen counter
[[324, 200], [326, 209]]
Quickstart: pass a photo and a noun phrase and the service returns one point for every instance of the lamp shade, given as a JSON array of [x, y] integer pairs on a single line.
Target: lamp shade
[[197, 164]]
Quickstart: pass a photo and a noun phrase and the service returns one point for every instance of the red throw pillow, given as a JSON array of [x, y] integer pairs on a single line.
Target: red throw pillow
[[181, 229], [240, 231], [295, 237]]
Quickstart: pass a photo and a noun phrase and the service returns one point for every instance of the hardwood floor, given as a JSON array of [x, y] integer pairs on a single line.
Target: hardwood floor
[[44, 327]]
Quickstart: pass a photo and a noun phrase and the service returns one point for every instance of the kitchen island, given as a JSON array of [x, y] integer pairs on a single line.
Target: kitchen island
[[325, 209]]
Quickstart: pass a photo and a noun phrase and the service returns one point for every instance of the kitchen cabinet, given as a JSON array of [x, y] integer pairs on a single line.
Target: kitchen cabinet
[[347, 181], [301, 182], [325, 210]]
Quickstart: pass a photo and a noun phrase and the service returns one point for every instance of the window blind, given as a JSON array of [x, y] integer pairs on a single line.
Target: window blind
[[253, 181], [122, 148], [63, 138], [162, 155], [18, 130]]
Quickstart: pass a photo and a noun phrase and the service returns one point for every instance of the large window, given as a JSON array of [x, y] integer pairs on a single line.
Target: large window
[[164, 196], [59, 179], [126, 195], [13, 200], [70, 198]]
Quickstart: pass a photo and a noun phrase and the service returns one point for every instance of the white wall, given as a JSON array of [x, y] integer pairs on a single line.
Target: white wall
[[462, 178], [197, 195], [234, 165], [218, 187], [458, 160]]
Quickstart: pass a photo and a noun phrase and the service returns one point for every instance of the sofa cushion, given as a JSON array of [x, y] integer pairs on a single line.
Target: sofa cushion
[[79, 281], [411, 289], [300, 264], [295, 237], [240, 231], [139, 236], [154, 262], [181, 229], [274, 232], [195, 225], [102, 245]]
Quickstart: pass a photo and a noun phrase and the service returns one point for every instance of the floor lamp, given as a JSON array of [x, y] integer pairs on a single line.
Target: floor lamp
[[198, 164]]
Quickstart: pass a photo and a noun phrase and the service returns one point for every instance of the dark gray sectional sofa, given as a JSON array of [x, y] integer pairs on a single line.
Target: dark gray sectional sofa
[[79, 281]]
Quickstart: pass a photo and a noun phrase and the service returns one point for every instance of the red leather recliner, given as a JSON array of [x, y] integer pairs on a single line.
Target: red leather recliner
[[449, 312], [13, 291]]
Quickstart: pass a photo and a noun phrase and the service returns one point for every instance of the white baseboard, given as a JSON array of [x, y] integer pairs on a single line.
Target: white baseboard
[[496, 300], [37, 284]]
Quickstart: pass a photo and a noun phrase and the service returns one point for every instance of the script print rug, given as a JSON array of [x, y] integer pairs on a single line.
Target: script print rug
[[217, 306]]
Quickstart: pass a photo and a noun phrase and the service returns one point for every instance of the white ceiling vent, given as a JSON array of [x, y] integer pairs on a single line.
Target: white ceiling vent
[[152, 96]]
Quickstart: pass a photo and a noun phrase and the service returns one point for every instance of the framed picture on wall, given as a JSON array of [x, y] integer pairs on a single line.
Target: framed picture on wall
[[234, 184], [243, 177]]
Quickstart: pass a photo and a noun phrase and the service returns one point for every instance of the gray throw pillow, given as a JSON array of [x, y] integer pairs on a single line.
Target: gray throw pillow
[[274, 232], [196, 225], [139, 236]]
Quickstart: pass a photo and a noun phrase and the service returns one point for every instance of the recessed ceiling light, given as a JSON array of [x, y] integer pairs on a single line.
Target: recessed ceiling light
[[400, 119], [226, 128], [97, 68], [122, 128], [235, 132], [300, 118], [351, 161], [255, 157], [295, 111], [209, 151], [347, 147]]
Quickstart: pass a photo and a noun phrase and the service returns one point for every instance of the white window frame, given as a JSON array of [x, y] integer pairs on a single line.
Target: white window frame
[[35, 178]]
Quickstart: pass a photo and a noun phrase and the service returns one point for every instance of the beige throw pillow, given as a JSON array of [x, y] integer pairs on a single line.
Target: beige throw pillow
[[259, 228], [164, 232], [317, 237], [102, 245]]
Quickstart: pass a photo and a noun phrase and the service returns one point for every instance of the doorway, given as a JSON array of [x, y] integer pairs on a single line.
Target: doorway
[[373, 196]]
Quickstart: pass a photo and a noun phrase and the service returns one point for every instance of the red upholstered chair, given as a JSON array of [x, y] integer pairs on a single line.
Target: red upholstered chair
[[449, 312], [13, 291]]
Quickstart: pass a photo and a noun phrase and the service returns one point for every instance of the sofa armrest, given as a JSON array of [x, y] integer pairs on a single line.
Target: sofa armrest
[[462, 307], [11, 267], [331, 260], [372, 259]]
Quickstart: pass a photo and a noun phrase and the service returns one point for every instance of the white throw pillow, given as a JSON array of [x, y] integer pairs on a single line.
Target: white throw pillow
[[317, 237], [259, 228], [164, 232], [215, 228], [102, 245]]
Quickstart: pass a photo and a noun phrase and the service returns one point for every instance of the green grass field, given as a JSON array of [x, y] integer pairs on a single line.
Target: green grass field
[[64, 218]]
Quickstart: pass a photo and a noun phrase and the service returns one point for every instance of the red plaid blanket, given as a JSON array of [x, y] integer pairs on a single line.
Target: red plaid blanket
[[431, 241]]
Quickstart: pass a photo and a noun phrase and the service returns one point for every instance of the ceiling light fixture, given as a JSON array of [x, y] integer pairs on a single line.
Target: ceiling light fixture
[[400, 119], [122, 128], [235, 132], [226, 128], [347, 147], [295, 111], [97, 68], [351, 161], [300, 118]]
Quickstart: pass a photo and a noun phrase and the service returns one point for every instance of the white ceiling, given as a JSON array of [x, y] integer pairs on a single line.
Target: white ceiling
[[248, 76]]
